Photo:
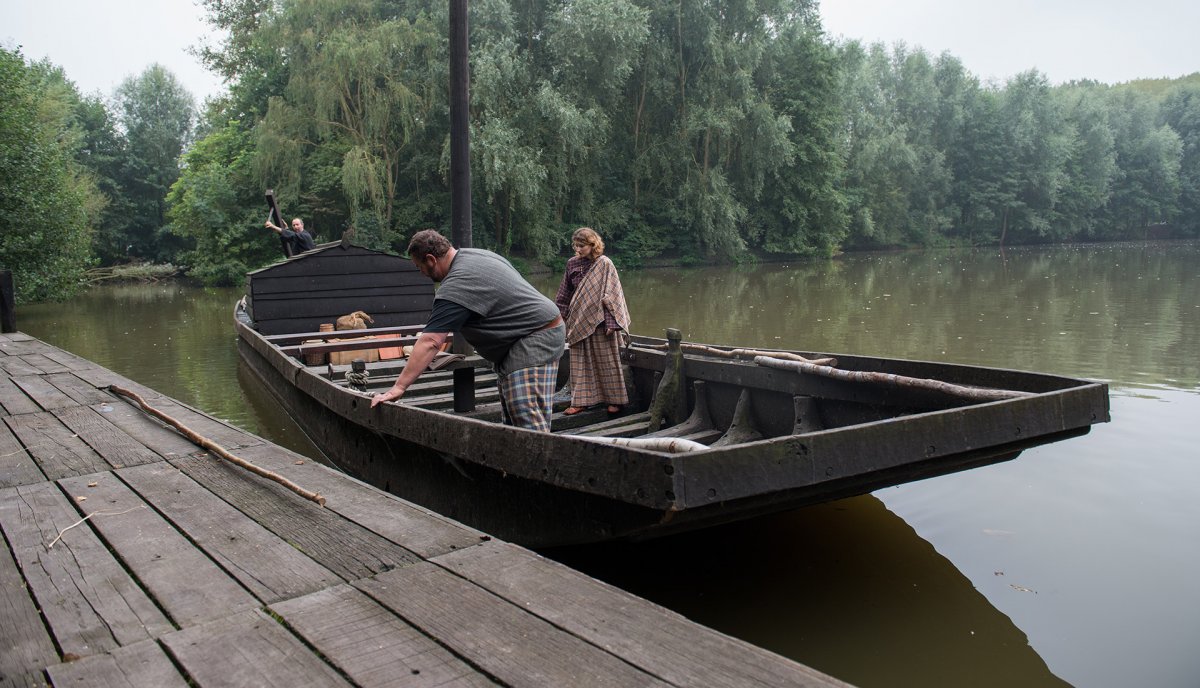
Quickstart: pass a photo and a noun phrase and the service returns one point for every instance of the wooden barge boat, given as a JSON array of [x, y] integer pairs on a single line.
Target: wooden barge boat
[[712, 434]]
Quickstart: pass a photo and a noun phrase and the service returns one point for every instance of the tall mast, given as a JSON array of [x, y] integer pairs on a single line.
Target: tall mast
[[460, 144]]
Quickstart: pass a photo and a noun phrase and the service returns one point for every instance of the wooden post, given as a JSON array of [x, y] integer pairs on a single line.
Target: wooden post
[[8, 300], [460, 145], [460, 175]]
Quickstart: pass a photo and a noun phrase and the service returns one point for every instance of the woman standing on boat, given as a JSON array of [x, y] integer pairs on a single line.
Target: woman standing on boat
[[592, 303]]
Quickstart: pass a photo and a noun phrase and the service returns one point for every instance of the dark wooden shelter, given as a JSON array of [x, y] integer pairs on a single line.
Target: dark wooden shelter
[[332, 280]]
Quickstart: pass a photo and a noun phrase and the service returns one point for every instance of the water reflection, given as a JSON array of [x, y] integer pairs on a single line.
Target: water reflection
[[848, 588]]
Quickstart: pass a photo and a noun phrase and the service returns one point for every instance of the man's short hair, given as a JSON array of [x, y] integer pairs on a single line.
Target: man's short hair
[[428, 242]]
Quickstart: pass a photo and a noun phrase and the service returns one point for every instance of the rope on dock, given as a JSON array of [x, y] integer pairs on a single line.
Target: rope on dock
[[215, 448], [972, 393]]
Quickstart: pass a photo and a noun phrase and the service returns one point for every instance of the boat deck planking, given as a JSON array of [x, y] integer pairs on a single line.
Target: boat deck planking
[[133, 557]]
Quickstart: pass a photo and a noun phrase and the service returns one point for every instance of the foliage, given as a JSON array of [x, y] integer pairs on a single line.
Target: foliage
[[44, 195], [212, 206], [156, 114]]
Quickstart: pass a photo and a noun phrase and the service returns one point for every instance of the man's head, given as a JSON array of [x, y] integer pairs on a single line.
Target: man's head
[[432, 253], [297, 224]]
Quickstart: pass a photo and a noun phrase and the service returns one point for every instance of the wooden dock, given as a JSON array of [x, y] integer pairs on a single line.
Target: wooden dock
[[132, 557]]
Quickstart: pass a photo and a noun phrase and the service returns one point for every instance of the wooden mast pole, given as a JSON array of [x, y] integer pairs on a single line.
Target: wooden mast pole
[[460, 174], [460, 145]]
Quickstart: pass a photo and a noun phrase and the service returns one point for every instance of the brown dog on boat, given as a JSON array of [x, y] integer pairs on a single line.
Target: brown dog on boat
[[355, 321]]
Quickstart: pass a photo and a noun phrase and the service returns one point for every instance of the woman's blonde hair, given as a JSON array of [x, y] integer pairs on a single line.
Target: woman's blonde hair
[[588, 236]]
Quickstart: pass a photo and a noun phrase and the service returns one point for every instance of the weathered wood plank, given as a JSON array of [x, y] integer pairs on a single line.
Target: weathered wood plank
[[83, 393], [142, 665], [16, 466], [503, 640], [226, 435], [23, 347], [163, 440], [415, 528], [14, 400], [89, 601], [45, 394], [371, 645], [69, 360], [269, 567], [57, 450], [113, 445], [249, 649], [185, 583], [14, 366], [27, 646], [44, 363], [339, 545], [650, 637]]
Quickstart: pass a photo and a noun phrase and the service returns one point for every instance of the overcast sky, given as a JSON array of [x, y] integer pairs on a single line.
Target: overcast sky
[[101, 42]]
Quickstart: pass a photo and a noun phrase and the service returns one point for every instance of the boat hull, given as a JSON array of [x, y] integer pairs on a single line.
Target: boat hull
[[544, 490]]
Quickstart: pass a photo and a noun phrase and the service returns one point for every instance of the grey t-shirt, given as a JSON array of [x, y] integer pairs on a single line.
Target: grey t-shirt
[[508, 331]]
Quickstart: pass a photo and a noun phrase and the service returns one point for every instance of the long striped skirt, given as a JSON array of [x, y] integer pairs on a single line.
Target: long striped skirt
[[596, 371]]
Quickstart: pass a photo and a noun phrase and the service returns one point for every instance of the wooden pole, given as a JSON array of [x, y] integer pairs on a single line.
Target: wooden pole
[[8, 300], [460, 174], [460, 145], [971, 393], [216, 448]]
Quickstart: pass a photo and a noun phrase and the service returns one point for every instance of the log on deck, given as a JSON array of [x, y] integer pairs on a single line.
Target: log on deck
[[132, 557]]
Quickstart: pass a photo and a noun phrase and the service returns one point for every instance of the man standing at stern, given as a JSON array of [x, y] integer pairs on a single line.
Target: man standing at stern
[[510, 324]]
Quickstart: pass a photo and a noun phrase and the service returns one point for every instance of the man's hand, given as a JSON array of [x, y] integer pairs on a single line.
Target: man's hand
[[390, 395]]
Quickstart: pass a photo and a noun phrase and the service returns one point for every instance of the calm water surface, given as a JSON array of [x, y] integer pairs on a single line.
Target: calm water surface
[[1075, 564]]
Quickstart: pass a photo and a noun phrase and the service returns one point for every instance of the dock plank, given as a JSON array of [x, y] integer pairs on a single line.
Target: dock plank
[[113, 445], [336, 543], [13, 366], [223, 434], [44, 363], [266, 565], [80, 391], [16, 466], [142, 665], [651, 637], [22, 347], [55, 448], [45, 394], [27, 644], [89, 601], [188, 585], [69, 360], [162, 439], [409, 525], [264, 653], [503, 640], [371, 645], [14, 400]]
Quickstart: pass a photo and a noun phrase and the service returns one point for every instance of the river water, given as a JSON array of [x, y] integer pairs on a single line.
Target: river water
[[1074, 564]]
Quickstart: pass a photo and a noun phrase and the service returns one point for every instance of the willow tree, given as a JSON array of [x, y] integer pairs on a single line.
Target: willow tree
[[358, 92]]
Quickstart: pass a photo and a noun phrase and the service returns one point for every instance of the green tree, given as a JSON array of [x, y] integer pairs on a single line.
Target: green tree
[[1145, 190], [215, 206], [156, 113], [1181, 112], [44, 232]]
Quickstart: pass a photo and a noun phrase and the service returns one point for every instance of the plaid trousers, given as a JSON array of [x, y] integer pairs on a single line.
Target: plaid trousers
[[527, 396]]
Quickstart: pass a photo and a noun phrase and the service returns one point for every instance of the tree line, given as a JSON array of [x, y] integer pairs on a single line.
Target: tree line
[[694, 132]]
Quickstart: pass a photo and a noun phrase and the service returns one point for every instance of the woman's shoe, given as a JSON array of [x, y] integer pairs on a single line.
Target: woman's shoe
[[613, 408], [572, 411]]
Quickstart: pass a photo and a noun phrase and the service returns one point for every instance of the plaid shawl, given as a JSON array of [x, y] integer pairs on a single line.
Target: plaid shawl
[[599, 291]]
